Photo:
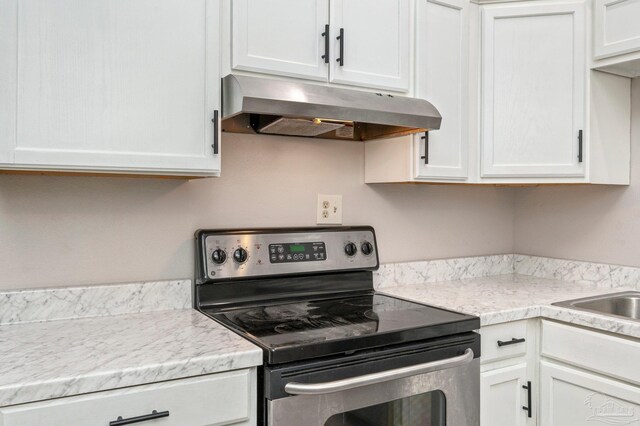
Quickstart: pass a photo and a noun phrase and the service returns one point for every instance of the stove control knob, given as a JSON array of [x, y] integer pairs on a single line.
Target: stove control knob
[[366, 248], [350, 249], [219, 256], [240, 255]]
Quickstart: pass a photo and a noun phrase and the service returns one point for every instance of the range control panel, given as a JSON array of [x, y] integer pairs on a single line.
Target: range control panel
[[227, 254], [297, 252]]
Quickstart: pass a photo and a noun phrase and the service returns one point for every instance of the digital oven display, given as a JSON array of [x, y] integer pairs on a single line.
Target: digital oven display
[[297, 252]]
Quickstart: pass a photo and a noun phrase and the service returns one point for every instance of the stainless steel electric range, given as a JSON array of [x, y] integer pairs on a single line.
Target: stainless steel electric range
[[336, 352]]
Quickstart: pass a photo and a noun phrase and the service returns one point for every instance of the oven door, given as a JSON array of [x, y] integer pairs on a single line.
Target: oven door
[[444, 392]]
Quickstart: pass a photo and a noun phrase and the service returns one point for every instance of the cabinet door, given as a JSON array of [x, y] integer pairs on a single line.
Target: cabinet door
[[533, 89], [441, 77], [571, 397], [283, 37], [616, 28], [375, 42], [502, 396], [100, 85]]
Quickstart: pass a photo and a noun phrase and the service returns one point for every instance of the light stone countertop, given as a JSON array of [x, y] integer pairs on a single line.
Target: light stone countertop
[[511, 297], [64, 357], [68, 357]]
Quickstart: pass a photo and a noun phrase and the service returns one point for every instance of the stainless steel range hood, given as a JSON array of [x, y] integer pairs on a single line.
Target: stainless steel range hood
[[268, 106]]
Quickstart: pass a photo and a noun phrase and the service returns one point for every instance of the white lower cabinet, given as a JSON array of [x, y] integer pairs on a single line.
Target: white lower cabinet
[[502, 396], [217, 399], [572, 397], [588, 377], [577, 376], [508, 382]]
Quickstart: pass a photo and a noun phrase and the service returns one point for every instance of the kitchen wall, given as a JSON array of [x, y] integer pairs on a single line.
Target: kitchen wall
[[79, 230], [592, 223]]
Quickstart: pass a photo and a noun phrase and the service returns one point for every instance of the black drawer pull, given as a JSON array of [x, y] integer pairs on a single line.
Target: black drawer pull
[[425, 157], [325, 34], [215, 132], [579, 146], [528, 407], [154, 415], [340, 60], [510, 342]]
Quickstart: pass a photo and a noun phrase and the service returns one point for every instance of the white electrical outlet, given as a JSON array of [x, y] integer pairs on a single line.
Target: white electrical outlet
[[329, 210]]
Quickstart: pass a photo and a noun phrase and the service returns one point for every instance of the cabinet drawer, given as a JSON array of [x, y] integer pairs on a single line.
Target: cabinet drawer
[[217, 399], [502, 341], [614, 356]]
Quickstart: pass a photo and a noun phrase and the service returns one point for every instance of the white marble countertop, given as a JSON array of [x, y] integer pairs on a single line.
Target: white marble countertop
[[511, 297], [68, 357], [51, 359]]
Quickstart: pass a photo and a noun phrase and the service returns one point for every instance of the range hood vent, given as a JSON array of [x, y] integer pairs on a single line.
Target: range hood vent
[[268, 106]]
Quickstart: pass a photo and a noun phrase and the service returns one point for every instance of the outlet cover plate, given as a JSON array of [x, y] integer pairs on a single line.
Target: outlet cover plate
[[329, 210]]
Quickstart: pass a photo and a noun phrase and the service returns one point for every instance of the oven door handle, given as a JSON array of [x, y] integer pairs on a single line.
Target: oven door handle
[[294, 388]]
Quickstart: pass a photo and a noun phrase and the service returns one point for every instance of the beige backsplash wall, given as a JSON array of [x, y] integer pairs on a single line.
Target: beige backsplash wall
[[79, 230], [598, 224]]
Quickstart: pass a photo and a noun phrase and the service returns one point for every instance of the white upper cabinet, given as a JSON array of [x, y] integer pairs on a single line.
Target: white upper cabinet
[[616, 37], [616, 27], [533, 90], [227, 398], [370, 43], [110, 86], [519, 103], [283, 37], [302, 38], [442, 51]]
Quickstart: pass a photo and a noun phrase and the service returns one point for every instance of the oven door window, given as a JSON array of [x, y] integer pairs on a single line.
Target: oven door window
[[427, 409]]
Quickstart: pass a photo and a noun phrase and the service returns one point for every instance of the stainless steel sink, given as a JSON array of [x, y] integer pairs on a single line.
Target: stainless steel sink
[[622, 305]]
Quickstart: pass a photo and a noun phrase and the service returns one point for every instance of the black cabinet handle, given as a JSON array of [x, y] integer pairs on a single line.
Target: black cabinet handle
[[511, 342], [325, 34], [579, 146], [528, 407], [425, 157], [215, 132], [340, 60], [154, 415]]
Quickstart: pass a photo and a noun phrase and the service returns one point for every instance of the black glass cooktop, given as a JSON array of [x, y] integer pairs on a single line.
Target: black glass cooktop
[[319, 327]]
